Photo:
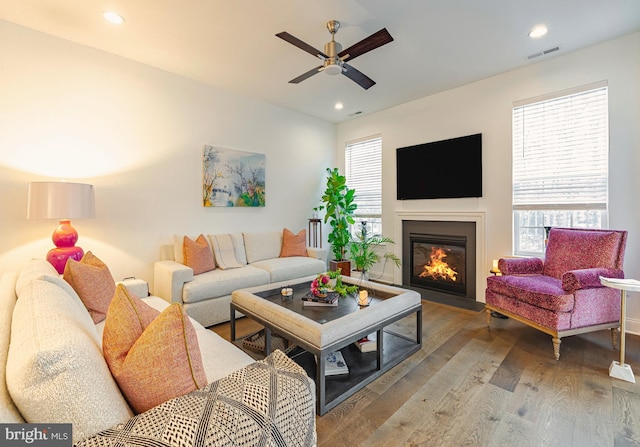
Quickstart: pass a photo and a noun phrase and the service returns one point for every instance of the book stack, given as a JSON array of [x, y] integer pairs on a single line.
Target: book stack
[[311, 300], [368, 343], [335, 364]]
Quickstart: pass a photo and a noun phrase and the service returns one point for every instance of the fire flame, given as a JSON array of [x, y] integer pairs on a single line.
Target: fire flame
[[437, 268]]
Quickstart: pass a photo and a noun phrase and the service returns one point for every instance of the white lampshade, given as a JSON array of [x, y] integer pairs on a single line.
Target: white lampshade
[[60, 200]]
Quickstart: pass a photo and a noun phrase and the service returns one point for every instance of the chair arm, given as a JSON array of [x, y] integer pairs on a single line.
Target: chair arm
[[520, 266], [587, 278], [169, 278], [317, 253]]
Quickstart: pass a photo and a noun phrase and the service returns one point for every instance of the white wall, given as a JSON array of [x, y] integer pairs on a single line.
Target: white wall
[[136, 133], [485, 106]]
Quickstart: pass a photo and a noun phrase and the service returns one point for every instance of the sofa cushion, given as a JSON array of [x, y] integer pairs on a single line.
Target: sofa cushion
[[8, 411], [224, 251], [92, 281], [293, 244], [154, 357], [32, 270], [286, 269], [571, 249], [264, 245], [538, 290], [222, 282], [238, 246], [178, 248], [267, 403], [54, 357], [198, 254]]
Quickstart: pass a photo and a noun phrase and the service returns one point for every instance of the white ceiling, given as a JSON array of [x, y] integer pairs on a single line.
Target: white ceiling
[[438, 44]]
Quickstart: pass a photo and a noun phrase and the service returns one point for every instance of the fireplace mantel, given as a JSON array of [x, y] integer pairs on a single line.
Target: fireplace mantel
[[482, 267]]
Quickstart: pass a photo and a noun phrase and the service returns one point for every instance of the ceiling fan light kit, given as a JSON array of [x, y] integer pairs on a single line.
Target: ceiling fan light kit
[[334, 58]]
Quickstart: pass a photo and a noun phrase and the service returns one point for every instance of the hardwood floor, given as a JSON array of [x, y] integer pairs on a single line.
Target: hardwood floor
[[475, 386]]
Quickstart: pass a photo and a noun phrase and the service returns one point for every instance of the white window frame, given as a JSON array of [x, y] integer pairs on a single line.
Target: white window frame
[[363, 170], [560, 164]]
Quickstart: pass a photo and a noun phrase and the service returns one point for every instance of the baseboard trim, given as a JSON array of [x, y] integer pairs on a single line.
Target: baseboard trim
[[633, 326]]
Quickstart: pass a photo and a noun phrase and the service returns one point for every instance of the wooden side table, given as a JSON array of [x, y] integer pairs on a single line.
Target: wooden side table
[[621, 370]]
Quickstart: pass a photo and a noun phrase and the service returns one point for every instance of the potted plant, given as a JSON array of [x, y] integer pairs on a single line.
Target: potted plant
[[365, 253], [339, 205]]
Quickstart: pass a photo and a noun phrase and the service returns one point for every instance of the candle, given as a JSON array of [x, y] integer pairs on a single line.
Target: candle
[[495, 265], [363, 301]]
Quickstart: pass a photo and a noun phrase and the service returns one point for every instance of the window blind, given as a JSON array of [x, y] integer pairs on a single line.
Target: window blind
[[363, 169], [560, 152]]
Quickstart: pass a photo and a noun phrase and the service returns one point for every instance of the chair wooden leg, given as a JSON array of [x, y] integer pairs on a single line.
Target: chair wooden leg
[[615, 331], [488, 313], [556, 348]]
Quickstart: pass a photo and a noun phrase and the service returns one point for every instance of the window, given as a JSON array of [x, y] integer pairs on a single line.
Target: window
[[560, 164], [363, 169]]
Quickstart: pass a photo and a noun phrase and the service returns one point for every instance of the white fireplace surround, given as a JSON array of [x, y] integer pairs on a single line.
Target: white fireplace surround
[[482, 267]]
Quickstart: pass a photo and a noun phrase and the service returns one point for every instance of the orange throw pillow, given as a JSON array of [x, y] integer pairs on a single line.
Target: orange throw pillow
[[198, 255], [92, 281], [153, 356], [294, 244]]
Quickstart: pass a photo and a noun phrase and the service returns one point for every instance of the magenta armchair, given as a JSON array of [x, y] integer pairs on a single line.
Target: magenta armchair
[[562, 295]]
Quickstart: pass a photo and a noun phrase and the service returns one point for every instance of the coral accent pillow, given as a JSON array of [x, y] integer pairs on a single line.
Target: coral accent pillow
[[198, 255], [92, 281], [153, 356], [294, 244]]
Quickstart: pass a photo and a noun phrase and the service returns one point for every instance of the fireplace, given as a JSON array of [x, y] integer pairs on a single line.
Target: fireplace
[[439, 262]]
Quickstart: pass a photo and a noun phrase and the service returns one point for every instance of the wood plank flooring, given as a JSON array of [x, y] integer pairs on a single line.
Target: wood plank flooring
[[476, 386]]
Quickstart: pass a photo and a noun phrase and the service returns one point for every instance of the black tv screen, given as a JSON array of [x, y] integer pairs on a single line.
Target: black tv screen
[[441, 169]]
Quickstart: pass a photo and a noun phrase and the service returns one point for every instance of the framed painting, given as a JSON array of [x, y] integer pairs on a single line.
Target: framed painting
[[232, 178]]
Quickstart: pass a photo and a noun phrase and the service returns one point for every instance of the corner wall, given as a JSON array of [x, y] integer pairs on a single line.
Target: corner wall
[[136, 133], [485, 107]]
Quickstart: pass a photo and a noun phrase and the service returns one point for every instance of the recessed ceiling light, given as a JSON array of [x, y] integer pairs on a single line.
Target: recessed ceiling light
[[112, 17], [538, 31], [338, 106]]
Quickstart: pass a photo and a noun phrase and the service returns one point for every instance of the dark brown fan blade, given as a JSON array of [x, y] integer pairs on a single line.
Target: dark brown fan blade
[[372, 42], [358, 77], [306, 75], [302, 45]]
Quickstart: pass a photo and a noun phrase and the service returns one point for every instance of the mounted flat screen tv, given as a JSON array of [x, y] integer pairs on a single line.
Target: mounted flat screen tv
[[441, 169]]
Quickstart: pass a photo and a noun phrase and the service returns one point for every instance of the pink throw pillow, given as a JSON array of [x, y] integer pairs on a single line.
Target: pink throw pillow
[[153, 356], [92, 281]]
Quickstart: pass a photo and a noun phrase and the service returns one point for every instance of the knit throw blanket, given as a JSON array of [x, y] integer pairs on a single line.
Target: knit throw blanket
[[267, 403]]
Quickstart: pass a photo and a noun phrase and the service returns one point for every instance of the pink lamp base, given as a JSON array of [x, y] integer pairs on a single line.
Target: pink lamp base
[[64, 237], [58, 257]]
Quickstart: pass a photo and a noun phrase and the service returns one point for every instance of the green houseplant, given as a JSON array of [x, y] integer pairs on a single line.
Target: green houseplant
[[338, 202], [365, 253]]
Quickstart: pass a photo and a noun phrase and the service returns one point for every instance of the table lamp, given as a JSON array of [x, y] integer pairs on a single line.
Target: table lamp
[[64, 201]]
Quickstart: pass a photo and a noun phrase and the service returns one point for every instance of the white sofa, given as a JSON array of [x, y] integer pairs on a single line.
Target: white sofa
[[206, 296], [52, 370]]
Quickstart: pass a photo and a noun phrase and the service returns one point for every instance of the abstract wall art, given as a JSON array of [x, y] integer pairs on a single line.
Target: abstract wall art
[[232, 178]]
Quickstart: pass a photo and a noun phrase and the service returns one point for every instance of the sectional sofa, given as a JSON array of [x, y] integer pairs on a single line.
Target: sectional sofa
[[53, 370], [252, 259]]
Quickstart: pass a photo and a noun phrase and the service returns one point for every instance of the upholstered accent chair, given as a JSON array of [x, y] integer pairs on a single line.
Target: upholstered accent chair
[[562, 295]]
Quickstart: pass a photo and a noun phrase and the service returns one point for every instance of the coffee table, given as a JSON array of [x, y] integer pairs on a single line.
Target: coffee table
[[321, 330]]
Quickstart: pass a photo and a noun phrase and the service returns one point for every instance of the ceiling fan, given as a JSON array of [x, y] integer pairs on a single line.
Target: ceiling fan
[[335, 58]]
